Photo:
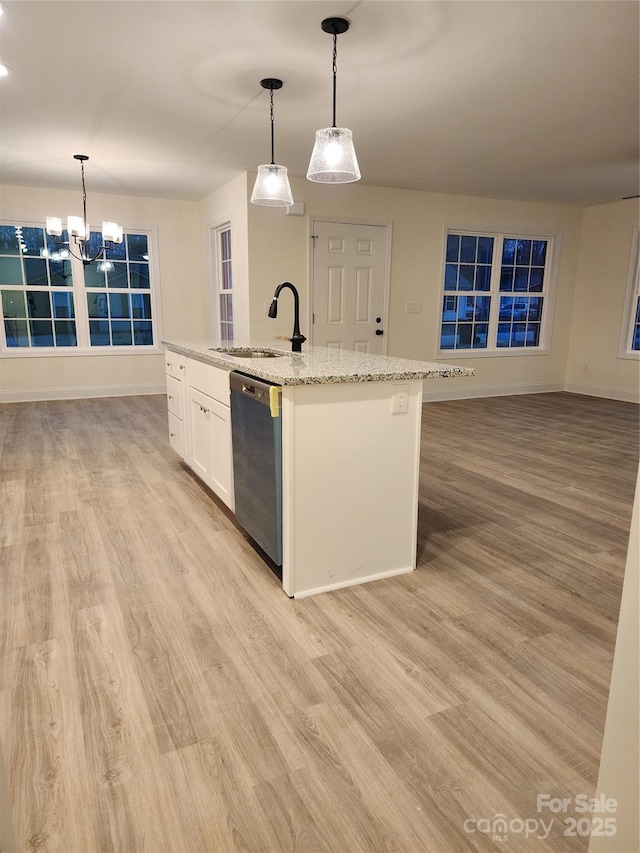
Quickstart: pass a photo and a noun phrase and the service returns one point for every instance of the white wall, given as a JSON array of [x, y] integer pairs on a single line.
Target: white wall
[[227, 204], [607, 241], [279, 250], [176, 224], [618, 777]]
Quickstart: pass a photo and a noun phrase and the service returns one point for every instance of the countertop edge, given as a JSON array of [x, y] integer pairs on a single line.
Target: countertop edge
[[259, 369]]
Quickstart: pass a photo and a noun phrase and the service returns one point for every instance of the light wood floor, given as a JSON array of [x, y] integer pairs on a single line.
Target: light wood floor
[[159, 692]]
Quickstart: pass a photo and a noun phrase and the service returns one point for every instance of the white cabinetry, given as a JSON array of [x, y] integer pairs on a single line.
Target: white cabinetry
[[198, 400], [175, 369]]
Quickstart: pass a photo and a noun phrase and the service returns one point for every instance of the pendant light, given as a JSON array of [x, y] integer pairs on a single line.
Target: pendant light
[[78, 228], [272, 184], [333, 160]]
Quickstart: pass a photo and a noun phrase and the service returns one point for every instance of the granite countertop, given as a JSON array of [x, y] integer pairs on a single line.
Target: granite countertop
[[315, 365]]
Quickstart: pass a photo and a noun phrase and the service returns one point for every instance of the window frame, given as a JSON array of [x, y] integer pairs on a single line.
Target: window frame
[[80, 291], [632, 296], [494, 292], [218, 265]]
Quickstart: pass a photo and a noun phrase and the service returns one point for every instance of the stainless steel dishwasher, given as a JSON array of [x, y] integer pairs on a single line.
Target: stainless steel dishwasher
[[256, 429]]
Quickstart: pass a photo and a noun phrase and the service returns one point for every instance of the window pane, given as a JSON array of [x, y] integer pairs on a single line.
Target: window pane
[[118, 251], [9, 240], [453, 247], [60, 272], [121, 333], [34, 241], [226, 331], [480, 332], [141, 306], [119, 305], [509, 252], [139, 275], [451, 277], [13, 304], [465, 281], [539, 253], [41, 333], [35, 271], [97, 305], [535, 308], [65, 333], [635, 341], [481, 308], [99, 333], [116, 274], [521, 281], [94, 244], [483, 278], [533, 334], [225, 245], [137, 246], [226, 307], [142, 334], [16, 333], [506, 278], [10, 271], [485, 250], [227, 284], [38, 303], [448, 336], [94, 275], [504, 334], [62, 305], [465, 332], [468, 247], [536, 279], [523, 252]]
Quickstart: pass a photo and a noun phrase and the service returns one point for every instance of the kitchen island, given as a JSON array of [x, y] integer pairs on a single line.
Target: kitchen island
[[350, 451]]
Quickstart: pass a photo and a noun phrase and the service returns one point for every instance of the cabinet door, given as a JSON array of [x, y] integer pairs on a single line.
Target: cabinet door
[[200, 444], [222, 464], [210, 446], [176, 435]]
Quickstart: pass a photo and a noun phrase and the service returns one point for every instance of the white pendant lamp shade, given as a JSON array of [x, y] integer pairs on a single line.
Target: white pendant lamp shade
[[272, 187], [333, 159]]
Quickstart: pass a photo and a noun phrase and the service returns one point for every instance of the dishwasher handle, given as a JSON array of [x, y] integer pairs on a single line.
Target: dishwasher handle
[[249, 386]]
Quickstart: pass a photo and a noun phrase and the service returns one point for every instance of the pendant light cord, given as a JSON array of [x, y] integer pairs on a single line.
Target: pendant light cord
[[335, 71], [84, 200], [272, 131]]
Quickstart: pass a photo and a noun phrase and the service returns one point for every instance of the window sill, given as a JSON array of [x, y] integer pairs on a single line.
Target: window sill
[[490, 353], [631, 355], [67, 352]]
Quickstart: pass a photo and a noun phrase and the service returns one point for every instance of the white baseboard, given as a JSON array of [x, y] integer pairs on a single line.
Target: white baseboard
[[81, 393], [392, 573], [603, 391], [431, 394]]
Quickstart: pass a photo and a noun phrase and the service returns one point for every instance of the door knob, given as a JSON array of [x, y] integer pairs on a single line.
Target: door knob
[[379, 332]]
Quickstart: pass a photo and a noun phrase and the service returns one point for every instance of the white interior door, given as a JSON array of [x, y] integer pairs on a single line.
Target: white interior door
[[349, 286]]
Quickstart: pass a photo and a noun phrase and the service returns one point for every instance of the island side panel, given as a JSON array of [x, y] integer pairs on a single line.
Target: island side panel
[[350, 483]]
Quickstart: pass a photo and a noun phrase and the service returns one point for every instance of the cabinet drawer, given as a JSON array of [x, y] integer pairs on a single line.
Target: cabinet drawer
[[172, 363], [209, 379], [174, 396], [176, 435]]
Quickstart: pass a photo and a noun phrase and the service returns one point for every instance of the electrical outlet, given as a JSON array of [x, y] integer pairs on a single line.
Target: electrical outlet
[[400, 400], [413, 308]]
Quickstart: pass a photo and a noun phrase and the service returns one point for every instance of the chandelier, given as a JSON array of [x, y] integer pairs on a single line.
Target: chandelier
[[78, 229]]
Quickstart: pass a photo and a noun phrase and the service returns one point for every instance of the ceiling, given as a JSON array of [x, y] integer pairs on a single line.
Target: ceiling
[[517, 100]]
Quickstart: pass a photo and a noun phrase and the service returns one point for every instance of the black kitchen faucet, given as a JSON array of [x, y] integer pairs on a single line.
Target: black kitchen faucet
[[297, 340]]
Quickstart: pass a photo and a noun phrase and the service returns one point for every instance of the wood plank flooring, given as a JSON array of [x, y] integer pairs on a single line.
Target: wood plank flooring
[[159, 692]]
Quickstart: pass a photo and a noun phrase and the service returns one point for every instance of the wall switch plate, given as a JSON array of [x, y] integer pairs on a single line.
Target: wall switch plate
[[400, 400], [413, 308]]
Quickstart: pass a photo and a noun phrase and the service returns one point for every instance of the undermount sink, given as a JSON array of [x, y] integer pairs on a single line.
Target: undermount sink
[[247, 353]]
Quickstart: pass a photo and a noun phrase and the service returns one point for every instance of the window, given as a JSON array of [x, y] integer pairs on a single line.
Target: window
[[224, 281], [630, 343], [50, 300], [37, 293], [495, 288]]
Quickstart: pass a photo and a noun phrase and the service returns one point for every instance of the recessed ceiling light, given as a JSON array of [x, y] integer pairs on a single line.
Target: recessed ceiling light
[[4, 70]]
